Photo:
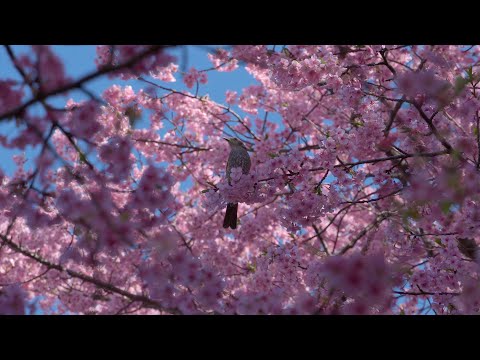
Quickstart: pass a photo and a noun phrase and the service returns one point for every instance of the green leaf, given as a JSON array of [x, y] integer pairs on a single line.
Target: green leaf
[[82, 157], [77, 231], [445, 206], [456, 154], [411, 213], [205, 191], [357, 124], [469, 72], [124, 216], [134, 114], [460, 83], [288, 53], [402, 312]]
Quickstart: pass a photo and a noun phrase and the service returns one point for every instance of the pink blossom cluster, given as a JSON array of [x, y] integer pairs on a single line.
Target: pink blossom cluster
[[302, 209], [425, 83], [223, 61], [111, 55], [180, 280], [193, 76], [82, 121], [48, 68], [12, 300], [364, 279], [116, 153], [10, 95], [300, 67]]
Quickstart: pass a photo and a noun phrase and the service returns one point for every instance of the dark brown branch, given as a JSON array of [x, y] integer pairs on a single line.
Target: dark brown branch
[[433, 128], [195, 148], [352, 243], [317, 232], [393, 115], [424, 293], [395, 157], [383, 54], [372, 200], [329, 223]]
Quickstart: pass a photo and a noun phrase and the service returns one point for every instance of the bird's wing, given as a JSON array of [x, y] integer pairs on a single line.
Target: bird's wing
[[238, 159]]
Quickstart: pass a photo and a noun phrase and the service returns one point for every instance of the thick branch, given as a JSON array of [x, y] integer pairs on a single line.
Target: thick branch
[[433, 128]]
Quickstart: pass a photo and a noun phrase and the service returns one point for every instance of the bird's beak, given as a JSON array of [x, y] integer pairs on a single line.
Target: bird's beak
[[228, 140]]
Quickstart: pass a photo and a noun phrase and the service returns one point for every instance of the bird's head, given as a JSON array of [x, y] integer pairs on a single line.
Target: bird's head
[[235, 143]]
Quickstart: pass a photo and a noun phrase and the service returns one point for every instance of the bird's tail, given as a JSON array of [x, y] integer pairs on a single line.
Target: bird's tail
[[231, 216]]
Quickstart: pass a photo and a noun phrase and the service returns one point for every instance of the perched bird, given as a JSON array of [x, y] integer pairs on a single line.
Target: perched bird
[[238, 158]]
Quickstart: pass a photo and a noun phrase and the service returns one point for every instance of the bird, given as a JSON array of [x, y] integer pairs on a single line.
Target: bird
[[238, 158]]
